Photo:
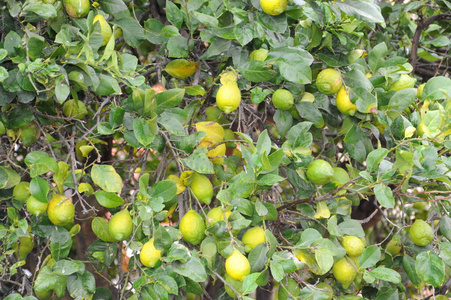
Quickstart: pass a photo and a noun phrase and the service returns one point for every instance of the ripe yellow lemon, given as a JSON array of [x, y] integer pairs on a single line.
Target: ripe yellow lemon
[[121, 225], [237, 265], [320, 172], [404, 82], [105, 28], [149, 255], [259, 54], [329, 81], [21, 191], [216, 214], [273, 7], [252, 237], [344, 104], [36, 207], [344, 272], [282, 99], [228, 97], [192, 227], [353, 245], [202, 188], [61, 210], [421, 233]]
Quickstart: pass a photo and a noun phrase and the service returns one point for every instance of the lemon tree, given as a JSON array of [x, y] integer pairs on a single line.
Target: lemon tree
[[225, 149]]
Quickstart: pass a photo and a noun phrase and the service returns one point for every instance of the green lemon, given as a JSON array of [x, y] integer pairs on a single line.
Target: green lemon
[[74, 109], [273, 7], [344, 104], [36, 207], [29, 134], [61, 210], [77, 8], [326, 288], [213, 113], [105, 28], [320, 172], [21, 191], [344, 272], [421, 233], [394, 246], [228, 97], [252, 237], [149, 255], [260, 54], [216, 214], [229, 135], [353, 245], [237, 265], [180, 187], [404, 82], [121, 225], [44, 295], [192, 227], [340, 177], [282, 99], [329, 81], [25, 247], [308, 97], [202, 188]]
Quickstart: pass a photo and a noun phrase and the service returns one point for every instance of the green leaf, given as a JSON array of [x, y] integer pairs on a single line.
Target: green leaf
[[384, 195], [142, 131], [169, 99], [192, 269], [437, 88], [368, 12], [445, 227], [68, 267], [177, 47], [257, 257], [324, 259], [308, 236], [178, 252], [351, 227], [430, 268], [8, 178], [402, 99], [370, 257], [299, 135], [196, 90], [376, 57], [132, 30], [162, 239], [249, 283], [105, 177], [112, 6], [445, 252], [174, 14], [198, 161], [43, 10], [108, 199], [374, 158], [257, 71], [42, 166], [62, 91], [387, 293], [284, 121], [297, 73], [39, 188], [60, 243], [166, 189], [81, 286], [386, 274], [100, 228], [408, 264], [107, 86], [47, 281]]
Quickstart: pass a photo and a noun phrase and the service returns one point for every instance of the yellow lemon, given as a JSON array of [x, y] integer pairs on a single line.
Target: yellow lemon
[[202, 188], [421, 233], [216, 214], [105, 28], [353, 245], [36, 207], [344, 272], [252, 237], [61, 210], [260, 54], [228, 97], [344, 104], [320, 172], [282, 99], [121, 225], [21, 191], [192, 227], [149, 255], [273, 7], [329, 81], [237, 265]]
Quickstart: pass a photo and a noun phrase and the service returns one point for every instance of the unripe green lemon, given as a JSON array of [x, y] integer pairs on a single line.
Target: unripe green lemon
[[344, 104], [404, 82], [29, 133], [25, 247], [282, 99], [344, 272], [213, 113], [192, 227], [308, 97], [21, 191], [105, 28], [121, 225], [273, 7], [340, 176], [36, 207], [43, 295], [353, 245], [216, 214], [237, 265], [202, 188], [74, 109], [320, 172], [260, 54], [327, 289], [228, 97], [329, 81], [394, 246], [149, 255], [252, 237], [61, 210], [421, 233], [77, 8]]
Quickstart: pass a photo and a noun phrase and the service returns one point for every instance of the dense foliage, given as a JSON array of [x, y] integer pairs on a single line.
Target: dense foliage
[[189, 149]]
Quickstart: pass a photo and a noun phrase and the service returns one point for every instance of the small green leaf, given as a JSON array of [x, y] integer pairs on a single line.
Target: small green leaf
[[370, 257], [108, 199], [39, 188], [351, 227], [105, 177], [198, 161], [386, 274], [100, 228], [68, 267], [384, 195], [430, 268]]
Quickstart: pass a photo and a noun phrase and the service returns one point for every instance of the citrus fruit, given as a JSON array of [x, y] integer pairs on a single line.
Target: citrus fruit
[[214, 133], [282, 99], [181, 68], [213, 113], [74, 109], [353, 245], [340, 177], [420, 89], [36, 207], [77, 8], [326, 288], [329, 81], [344, 104], [29, 133], [186, 177], [43, 295], [61, 210], [421, 233], [216, 214], [404, 82], [308, 97], [105, 28], [394, 246], [228, 97], [252, 237], [149, 255], [236, 284], [25, 247], [237, 265], [180, 187], [229, 135], [320, 172], [192, 227], [202, 188], [217, 154], [259, 54], [273, 7], [21, 191], [344, 272], [121, 225]]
